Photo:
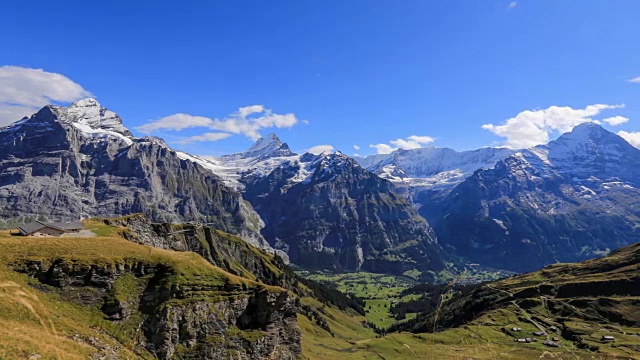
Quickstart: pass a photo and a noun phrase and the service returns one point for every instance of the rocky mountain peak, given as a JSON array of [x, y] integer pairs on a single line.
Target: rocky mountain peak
[[586, 132], [588, 149], [91, 117], [270, 141], [264, 148]]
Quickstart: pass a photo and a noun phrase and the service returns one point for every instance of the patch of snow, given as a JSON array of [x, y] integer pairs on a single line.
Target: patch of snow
[[101, 133], [432, 167], [501, 224], [93, 120]]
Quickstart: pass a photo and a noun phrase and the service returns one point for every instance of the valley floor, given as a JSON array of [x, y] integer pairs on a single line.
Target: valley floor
[[488, 337]]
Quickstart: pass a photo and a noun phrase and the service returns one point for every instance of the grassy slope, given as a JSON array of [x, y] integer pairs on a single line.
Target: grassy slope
[[34, 322], [474, 341], [353, 341], [488, 335], [583, 300]]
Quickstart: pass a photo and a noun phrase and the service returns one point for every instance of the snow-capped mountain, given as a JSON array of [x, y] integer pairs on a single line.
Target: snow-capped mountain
[[264, 148], [263, 157], [572, 199], [587, 151], [326, 211], [432, 167], [64, 163], [80, 161], [575, 198]]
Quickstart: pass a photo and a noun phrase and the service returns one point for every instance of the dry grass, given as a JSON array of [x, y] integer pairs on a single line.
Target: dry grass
[[35, 323]]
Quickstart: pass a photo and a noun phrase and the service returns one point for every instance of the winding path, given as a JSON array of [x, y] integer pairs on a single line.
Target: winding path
[[526, 314]]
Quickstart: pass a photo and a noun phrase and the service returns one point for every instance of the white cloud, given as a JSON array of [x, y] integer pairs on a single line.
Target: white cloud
[[635, 80], [248, 110], [176, 122], [211, 136], [533, 127], [616, 120], [383, 148], [512, 5], [632, 138], [23, 91], [356, 147], [319, 149], [412, 142], [306, 122], [246, 121], [421, 139]]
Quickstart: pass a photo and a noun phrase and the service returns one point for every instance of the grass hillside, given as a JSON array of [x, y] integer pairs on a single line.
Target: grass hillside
[[577, 304], [36, 320]]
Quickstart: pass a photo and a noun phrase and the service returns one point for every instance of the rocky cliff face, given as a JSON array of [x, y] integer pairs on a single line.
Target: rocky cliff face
[[327, 212], [175, 316], [226, 251], [65, 163], [573, 199]]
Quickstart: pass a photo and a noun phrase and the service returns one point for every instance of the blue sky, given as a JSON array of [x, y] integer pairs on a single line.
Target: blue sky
[[359, 72]]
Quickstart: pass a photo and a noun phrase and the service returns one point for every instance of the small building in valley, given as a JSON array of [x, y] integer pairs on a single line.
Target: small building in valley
[[41, 229], [607, 338], [68, 227]]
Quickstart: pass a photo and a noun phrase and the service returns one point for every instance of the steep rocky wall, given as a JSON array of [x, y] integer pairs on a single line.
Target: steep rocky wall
[[223, 250], [51, 169], [178, 319], [342, 218]]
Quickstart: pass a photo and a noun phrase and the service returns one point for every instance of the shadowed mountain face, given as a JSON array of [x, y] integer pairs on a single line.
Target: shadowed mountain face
[[342, 217], [80, 161], [327, 212], [573, 199]]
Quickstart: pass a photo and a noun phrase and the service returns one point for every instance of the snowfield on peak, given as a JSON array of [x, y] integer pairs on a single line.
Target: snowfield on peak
[[93, 120], [263, 158], [260, 160], [432, 167], [231, 170]]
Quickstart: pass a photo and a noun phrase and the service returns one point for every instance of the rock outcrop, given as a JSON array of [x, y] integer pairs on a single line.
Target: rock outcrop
[[226, 251], [177, 317]]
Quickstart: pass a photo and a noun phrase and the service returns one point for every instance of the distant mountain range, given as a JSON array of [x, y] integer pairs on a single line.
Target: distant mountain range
[[327, 212], [324, 211], [572, 199]]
